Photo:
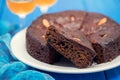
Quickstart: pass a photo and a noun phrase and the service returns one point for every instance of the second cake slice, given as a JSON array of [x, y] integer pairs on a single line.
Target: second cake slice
[[72, 44]]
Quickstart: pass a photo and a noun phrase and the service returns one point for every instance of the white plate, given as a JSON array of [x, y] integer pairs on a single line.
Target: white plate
[[18, 46]]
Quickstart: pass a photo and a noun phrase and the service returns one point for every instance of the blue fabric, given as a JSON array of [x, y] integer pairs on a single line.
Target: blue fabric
[[9, 66]]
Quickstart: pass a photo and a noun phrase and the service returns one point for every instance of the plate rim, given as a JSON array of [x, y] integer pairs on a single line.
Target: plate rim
[[77, 71]]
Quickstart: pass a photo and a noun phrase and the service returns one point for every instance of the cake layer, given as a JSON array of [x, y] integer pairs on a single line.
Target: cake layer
[[72, 44], [104, 34]]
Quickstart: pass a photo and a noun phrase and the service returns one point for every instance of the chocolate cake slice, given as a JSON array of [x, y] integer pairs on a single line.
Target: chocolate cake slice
[[71, 43], [36, 43], [104, 34]]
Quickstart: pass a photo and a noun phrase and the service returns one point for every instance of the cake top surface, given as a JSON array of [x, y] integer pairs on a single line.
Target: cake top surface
[[38, 28], [98, 28]]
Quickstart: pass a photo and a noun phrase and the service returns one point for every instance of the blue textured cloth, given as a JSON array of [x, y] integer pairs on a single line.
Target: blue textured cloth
[[10, 68]]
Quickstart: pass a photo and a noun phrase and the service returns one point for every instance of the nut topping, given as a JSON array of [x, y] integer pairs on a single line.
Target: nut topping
[[104, 35], [72, 18], [46, 23], [77, 39], [102, 21], [43, 36]]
